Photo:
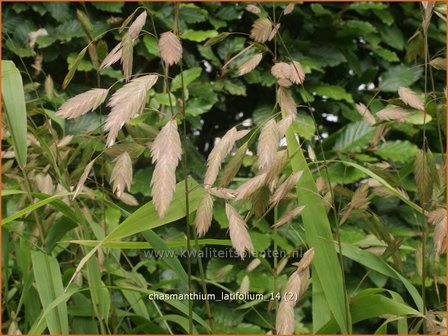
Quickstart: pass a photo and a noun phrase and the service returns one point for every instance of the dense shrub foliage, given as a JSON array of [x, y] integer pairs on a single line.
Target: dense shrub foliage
[[331, 114]]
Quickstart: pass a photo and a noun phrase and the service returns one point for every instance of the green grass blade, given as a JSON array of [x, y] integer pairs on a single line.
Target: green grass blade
[[375, 263], [135, 300], [14, 103], [49, 286], [100, 295], [39, 325], [127, 245], [181, 321], [320, 316], [382, 182], [370, 305], [146, 217], [177, 304], [319, 236], [73, 68], [158, 244], [402, 324], [40, 204]]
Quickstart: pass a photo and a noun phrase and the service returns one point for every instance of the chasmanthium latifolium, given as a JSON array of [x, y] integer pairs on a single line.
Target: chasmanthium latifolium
[[130, 100]]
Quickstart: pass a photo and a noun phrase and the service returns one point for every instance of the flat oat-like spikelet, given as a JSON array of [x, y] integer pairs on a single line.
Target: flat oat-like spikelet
[[438, 219], [238, 231], [286, 101], [285, 321], [393, 113], [126, 103], [204, 215], [250, 64], [127, 53], [292, 72], [274, 32], [422, 176], [365, 113], [288, 9], [260, 201], [250, 186], [284, 82], [83, 178], [297, 75], [268, 143], [285, 187], [289, 216], [281, 265], [166, 151], [245, 285], [275, 168], [281, 70], [306, 260], [253, 9], [170, 48], [360, 198], [253, 265], [284, 124], [44, 183], [294, 285], [82, 103], [261, 30], [128, 199], [137, 25], [295, 288], [410, 98], [113, 57], [232, 167], [311, 153], [118, 51], [223, 193], [121, 176], [219, 152]]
